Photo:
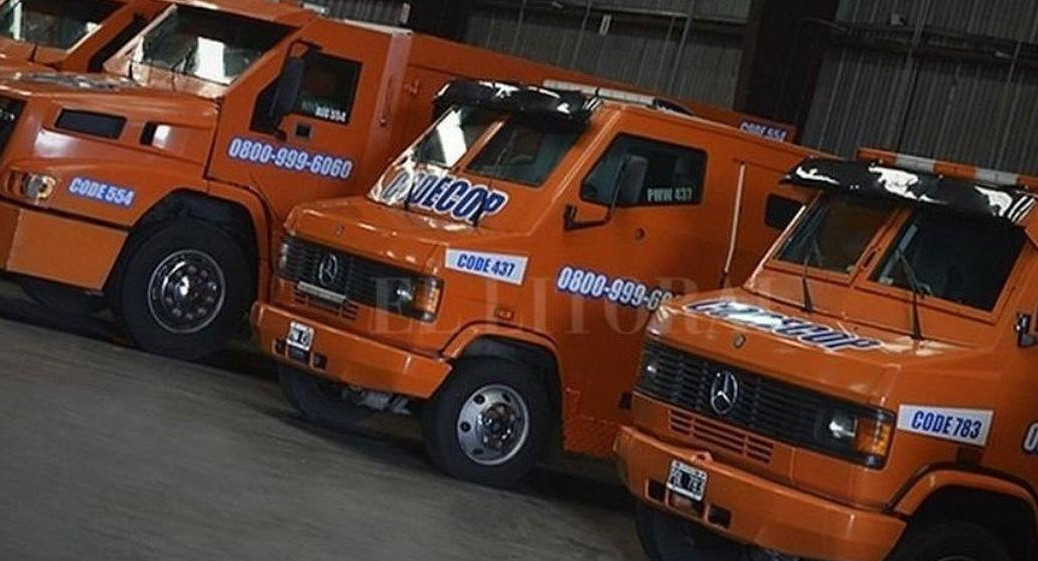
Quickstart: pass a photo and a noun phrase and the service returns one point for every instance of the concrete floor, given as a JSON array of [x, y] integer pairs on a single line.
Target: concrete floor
[[108, 454]]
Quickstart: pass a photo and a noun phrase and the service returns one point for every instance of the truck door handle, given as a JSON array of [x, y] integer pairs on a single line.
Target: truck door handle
[[304, 130]]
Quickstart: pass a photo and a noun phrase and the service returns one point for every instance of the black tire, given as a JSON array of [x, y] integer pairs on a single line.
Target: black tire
[[666, 537], [441, 423], [320, 401], [950, 540], [163, 249], [62, 297]]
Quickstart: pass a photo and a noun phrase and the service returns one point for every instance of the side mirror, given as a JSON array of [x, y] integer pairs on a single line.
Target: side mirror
[[287, 90], [628, 191]]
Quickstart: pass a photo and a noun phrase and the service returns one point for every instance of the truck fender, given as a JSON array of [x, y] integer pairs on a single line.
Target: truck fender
[[1004, 507], [934, 481], [527, 347], [238, 210]]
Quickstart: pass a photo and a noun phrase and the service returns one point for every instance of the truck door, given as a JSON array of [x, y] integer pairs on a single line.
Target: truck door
[[669, 239], [319, 148]]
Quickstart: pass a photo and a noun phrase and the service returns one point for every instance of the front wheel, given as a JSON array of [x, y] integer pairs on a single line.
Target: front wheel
[[489, 422], [666, 537], [950, 541], [183, 289]]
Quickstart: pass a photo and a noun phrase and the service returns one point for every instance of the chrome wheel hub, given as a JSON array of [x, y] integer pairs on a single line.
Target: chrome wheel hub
[[493, 425], [186, 292]]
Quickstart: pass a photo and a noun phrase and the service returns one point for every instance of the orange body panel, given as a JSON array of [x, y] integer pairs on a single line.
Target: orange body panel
[[44, 244], [593, 341]]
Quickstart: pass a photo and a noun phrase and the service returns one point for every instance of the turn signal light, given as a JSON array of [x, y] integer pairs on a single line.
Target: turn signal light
[[873, 437], [427, 293]]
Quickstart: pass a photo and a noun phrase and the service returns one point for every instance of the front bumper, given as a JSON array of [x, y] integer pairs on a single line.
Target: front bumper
[[349, 358], [49, 246], [755, 511]]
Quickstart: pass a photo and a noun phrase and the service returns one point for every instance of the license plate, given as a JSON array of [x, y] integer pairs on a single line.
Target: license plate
[[300, 336], [687, 481]]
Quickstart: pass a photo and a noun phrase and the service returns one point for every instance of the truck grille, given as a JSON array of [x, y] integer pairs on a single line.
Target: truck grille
[[10, 112], [353, 279], [765, 407], [721, 436]]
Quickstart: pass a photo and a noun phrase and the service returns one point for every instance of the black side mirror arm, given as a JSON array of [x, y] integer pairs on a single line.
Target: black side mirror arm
[[571, 223]]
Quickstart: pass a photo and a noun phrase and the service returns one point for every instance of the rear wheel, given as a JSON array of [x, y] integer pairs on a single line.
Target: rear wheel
[[62, 297], [666, 537], [950, 541], [488, 423], [183, 289], [321, 401]]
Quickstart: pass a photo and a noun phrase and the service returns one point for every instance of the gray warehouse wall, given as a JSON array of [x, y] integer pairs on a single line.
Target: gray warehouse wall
[[643, 42], [956, 79]]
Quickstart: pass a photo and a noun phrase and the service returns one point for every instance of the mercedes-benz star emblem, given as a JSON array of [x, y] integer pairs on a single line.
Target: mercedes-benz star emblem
[[328, 271], [724, 393]]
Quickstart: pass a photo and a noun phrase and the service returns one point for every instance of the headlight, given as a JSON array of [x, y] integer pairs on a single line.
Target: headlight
[[283, 252], [37, 187], [415, 297], [863, 436]]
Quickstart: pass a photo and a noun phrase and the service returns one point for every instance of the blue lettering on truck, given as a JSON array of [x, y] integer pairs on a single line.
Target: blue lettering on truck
[[289, 158], [101, 192], [968, 426], [444, 194]]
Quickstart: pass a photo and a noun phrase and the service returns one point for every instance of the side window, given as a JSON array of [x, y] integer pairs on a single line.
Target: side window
[[329, 88], [675, 175]]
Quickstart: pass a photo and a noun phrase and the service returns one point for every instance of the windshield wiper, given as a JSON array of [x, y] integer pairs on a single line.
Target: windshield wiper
[[917, 291], [812, 251], [808, 302], [490, 188]]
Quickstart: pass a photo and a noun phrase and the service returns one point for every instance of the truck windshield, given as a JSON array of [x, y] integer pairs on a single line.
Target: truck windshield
[[836, 233], [208, 44], [953, 257], [524, 151], [453, 135], [53, 23]]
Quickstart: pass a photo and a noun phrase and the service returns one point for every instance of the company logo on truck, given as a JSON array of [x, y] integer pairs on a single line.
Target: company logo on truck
[[814, 334], [443, 194], [102, 192]]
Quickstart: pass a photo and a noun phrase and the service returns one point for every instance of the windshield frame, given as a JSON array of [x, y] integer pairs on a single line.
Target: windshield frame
[[865, 260], [134, 66], [116, 8], [860, 279], [905, 215]]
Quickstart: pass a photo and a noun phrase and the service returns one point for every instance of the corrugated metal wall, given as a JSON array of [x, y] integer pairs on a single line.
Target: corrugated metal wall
[[378, 11], [954, 79], [637, 41]]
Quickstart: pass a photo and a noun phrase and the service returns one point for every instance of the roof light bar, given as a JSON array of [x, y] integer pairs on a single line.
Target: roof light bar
[[948, 169], [615, 95]]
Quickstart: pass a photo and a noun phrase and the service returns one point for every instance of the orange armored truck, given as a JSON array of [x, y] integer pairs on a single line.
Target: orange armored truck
[[69, 35], [159, 188], [498, 276], [869, 394]]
